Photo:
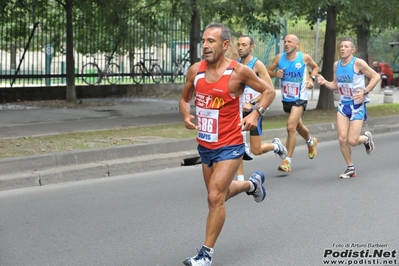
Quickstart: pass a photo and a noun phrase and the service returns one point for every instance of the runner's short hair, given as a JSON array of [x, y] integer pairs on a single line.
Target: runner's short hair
[[225, 31], [348, 39]]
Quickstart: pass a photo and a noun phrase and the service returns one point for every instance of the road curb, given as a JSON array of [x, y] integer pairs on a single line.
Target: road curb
[[70, 158], [102, 169], [71, 166]]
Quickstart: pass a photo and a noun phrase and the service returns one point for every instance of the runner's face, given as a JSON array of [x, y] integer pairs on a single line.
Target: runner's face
[[212, 45], [243, 46], [290, 44], [346, 49]]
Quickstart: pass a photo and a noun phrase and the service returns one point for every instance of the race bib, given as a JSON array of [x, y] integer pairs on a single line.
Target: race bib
[[208, 124], [345, 90], [290, 89], [246, 97]]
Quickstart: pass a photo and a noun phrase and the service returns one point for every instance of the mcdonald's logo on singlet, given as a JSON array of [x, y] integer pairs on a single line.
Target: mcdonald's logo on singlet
[[217, 103]]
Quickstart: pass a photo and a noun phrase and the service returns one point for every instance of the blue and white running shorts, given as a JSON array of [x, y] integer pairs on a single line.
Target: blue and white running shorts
[[209, 156], [353, 112]]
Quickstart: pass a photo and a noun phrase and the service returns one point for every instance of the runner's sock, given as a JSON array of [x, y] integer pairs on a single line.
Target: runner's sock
[[252, 188]]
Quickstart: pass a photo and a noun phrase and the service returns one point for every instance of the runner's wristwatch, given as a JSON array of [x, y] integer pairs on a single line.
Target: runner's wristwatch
[[261, 110], [252, 102]]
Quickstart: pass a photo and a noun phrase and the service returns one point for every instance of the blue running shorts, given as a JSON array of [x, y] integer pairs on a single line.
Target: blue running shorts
[[209, 156], [353, 112]]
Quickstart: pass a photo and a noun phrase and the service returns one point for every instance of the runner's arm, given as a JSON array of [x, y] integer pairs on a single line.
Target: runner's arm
[[273, 66], [369, 72], [332, 85], [186, 97], [266, 97]]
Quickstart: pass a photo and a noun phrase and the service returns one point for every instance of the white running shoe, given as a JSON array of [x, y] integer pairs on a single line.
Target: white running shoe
[[203, 258], [350, 172], [282, 150], [258, 178], [370, 143]]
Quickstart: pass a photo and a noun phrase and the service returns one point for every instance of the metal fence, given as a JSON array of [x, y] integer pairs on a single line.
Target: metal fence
[[33, 52]]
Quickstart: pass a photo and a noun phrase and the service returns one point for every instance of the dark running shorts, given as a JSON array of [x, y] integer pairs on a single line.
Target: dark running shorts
[[288, 105], [258, 130]]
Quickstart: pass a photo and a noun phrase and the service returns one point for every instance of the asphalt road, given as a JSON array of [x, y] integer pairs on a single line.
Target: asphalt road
[[157, 218]]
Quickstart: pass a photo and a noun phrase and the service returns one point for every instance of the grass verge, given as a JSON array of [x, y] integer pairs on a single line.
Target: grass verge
[[135, 135]]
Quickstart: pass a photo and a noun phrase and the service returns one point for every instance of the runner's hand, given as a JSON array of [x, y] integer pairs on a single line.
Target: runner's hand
[[249, 122], [189, 124]]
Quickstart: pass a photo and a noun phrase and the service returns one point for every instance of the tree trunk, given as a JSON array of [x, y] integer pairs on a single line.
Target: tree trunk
[[13, 61], [194, 32], [363, 33], [70, 64], [326, 96]]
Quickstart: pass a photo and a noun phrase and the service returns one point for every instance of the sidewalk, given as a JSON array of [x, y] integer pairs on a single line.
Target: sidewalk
[[45, 169]]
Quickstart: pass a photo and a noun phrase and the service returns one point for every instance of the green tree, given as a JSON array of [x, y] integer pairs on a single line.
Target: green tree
[[81, 20], [362, 18], [381, 50], [70, 64], [108, 23], [248, 15], [113, 26], [313, 11], [368, 18], [260, 16]]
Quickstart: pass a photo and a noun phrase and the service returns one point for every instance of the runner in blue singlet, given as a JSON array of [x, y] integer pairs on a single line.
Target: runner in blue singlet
[[292, 68], [349, 80], [249, 101]]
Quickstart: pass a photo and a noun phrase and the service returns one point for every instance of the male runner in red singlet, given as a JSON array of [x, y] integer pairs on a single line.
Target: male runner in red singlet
[[217, 83]]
